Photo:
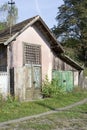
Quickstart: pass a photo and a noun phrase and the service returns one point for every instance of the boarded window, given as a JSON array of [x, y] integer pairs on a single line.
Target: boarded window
[[32, 54]]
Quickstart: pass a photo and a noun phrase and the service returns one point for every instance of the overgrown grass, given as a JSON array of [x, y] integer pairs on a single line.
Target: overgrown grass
[[76, 118], [13, 109]]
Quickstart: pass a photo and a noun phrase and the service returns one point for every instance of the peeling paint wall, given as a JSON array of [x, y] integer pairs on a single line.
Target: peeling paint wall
[[76, 78], [33, 36], [24, 87]]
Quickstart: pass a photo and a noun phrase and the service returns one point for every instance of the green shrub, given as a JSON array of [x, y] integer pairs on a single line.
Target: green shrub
[[46, 88], [51, 89]]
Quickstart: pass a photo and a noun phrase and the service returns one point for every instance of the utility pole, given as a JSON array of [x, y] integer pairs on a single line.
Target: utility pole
[[11, 4]]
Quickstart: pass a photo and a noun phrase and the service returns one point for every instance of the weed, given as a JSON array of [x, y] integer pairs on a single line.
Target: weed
[[51, 89]]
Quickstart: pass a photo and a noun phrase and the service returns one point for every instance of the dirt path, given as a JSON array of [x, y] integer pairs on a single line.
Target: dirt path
[[4, 124]]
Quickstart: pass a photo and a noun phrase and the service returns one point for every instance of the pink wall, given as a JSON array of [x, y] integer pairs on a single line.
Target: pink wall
[[33, 36]]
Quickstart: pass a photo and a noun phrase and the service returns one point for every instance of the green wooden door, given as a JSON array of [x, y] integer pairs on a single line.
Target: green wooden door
[[63, 79], [70, 80]]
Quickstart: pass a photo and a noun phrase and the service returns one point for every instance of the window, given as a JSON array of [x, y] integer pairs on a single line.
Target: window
[[32, 54]]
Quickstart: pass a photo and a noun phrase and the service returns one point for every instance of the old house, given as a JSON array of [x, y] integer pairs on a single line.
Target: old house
[[29, 54]]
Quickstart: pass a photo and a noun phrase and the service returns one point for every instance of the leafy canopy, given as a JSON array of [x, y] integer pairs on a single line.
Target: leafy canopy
[[8, 15], [72, 24]]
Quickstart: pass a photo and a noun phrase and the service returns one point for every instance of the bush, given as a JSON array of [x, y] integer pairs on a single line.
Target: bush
[[51, 89], [46, 88]]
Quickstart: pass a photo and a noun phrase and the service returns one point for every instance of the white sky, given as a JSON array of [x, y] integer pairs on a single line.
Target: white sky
[[47, 9]]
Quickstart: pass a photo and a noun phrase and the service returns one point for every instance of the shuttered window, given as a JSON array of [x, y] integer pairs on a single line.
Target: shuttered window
[[32, 54]]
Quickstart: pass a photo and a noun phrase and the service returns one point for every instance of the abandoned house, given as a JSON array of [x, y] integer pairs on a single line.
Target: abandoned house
[[30, 54]]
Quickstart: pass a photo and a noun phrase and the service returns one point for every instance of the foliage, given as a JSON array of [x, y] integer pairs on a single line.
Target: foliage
[[85, 71], [72, 25], [8, 15], [51, 89], [75, 118], [73, 54], [47, 88], [2, 25], [12, 108]]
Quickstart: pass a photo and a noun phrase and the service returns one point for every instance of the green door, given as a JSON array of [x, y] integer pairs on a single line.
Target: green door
[[70, 80], [64, 79]]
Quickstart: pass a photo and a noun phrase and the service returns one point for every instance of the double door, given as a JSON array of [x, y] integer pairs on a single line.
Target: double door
[[33, 82]]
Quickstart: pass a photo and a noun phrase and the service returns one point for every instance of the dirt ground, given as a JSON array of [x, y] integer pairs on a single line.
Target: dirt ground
[[50, 122]]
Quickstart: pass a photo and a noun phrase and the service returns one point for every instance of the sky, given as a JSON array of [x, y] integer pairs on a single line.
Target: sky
[[47, 9]]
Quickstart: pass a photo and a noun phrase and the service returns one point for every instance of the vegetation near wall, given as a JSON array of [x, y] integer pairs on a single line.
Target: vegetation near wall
[[51, 89], [13, 109]]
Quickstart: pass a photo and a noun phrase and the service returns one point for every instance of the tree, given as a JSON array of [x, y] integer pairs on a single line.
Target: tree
[[72, 24], [9, 15], [2, 25]]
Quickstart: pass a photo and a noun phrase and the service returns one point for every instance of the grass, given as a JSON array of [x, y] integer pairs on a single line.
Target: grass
[[73, 118], [15, 109]]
